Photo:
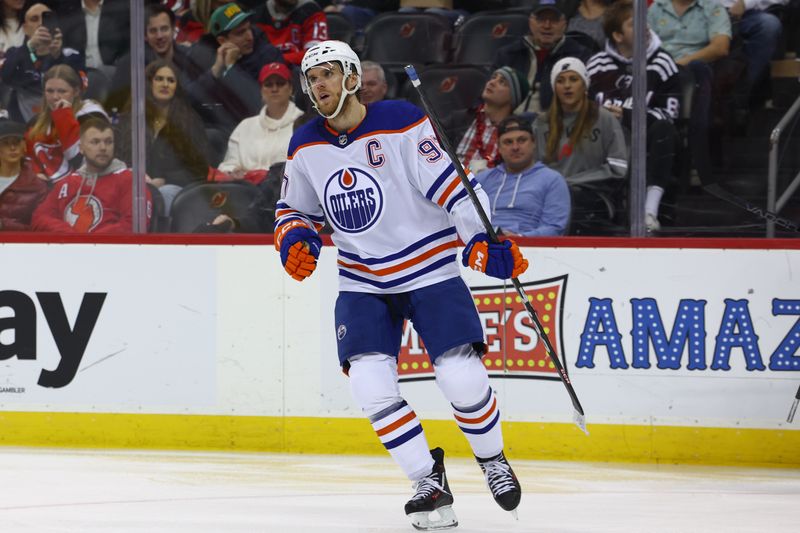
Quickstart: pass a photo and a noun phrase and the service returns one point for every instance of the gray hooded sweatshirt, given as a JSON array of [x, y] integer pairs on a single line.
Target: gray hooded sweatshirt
[[599, 156]]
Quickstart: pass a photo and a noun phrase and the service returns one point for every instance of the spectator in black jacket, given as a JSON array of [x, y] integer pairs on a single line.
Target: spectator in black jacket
[[159, 44], [175, 139], [535, 54], [25, 65], [610, 86], [99, 28], [231, 57]]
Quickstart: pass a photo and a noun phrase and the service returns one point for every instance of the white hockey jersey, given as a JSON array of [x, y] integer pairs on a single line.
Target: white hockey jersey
[[391, 194]]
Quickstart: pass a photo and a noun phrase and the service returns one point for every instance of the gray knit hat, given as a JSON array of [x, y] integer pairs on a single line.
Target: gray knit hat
[[518, 83]]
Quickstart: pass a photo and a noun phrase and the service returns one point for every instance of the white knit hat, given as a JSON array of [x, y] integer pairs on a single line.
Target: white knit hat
[[569, 63]]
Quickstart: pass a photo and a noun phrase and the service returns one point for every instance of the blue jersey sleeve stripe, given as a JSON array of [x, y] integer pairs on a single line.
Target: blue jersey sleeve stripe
[[439, 181], [402, 253], [400, 281]]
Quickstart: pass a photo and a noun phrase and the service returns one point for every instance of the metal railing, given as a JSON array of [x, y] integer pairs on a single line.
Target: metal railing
[[774, 205]]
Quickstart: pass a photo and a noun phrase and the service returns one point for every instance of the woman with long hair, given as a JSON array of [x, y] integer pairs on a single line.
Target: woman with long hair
[[52, 140], [576, 137], [175, 138]]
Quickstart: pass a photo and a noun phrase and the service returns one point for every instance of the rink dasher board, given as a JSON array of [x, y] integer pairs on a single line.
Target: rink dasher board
[[212, 346]]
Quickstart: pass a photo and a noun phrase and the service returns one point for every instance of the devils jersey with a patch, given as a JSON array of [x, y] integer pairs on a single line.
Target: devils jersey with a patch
[[389, 191], [82, 203], [304, 27], [55, 153]]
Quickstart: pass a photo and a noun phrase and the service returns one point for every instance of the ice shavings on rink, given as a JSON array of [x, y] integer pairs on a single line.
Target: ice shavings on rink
[[124, 491]]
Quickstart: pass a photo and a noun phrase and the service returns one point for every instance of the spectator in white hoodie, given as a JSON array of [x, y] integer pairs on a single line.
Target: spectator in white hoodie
[[259, 142]]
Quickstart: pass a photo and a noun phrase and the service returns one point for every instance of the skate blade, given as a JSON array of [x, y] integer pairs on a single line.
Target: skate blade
[[428, 521], [514, 514]]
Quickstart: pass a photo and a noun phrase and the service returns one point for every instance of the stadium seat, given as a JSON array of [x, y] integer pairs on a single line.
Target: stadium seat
[[340, 28], [449, 87], [402, 38], [218, 146], [477, 40], [200, 203], [158, 222], [97, 86]]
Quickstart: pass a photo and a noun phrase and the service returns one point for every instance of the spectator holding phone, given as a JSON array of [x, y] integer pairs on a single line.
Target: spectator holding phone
[[25, 65]]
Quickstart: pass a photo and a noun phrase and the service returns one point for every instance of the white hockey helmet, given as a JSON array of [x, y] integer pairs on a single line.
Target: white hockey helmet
[[330, 52]]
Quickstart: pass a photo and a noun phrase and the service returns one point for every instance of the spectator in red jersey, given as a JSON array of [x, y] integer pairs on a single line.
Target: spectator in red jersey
[[194, 23], [293, 26], [231, 56], [24, 65], [96, 198], [20, 190], [52, 141]]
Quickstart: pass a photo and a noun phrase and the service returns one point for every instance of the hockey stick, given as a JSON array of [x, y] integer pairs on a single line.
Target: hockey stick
[[793, 410], [722, 194], [579, 418]]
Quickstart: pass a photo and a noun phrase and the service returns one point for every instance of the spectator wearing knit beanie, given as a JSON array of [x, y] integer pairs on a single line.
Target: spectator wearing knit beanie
[[505, 90]]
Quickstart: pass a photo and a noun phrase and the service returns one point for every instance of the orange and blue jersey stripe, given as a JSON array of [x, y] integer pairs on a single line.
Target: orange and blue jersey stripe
[[447, 189], [396, 425], [479, 419], [426, 255]]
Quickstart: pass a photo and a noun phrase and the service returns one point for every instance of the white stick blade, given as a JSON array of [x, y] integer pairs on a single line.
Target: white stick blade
[[580, 421]]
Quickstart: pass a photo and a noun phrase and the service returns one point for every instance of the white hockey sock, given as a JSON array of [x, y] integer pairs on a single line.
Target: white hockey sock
[[373, 382], [653, 200], [463, 379]]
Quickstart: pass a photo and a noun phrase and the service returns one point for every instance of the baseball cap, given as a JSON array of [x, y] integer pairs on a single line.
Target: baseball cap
[[543, 5], [227, 17], [274, 69], [9, 128], [514, 123]]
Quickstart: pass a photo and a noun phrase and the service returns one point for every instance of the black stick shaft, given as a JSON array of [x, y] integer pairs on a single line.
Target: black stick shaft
[[493, 236], [719, 192]]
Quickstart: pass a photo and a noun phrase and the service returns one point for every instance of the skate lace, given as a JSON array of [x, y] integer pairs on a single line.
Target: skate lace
[[425, 487], [499, 477]]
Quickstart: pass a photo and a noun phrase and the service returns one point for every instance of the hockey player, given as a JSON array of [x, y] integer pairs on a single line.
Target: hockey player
[[378, 175]]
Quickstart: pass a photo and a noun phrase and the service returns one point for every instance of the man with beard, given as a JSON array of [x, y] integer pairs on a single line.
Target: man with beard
[[96, 198], [397, 207]]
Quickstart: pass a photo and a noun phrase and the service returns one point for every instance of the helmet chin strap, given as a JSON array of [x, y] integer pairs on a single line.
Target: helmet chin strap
[[342, 98]]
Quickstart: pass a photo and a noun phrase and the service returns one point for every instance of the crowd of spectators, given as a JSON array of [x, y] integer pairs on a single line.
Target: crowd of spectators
[[551, 121]]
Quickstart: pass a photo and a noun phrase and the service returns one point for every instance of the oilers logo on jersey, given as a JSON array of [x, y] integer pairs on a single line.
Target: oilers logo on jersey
[[353, 200]]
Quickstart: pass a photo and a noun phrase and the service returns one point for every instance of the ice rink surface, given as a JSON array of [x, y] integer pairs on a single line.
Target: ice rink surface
[[85, 491]]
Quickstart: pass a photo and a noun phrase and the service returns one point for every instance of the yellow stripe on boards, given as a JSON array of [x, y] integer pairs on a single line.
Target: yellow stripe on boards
[[524, 440]]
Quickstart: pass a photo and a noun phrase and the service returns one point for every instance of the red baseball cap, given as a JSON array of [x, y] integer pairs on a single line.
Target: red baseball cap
[[274, 69]]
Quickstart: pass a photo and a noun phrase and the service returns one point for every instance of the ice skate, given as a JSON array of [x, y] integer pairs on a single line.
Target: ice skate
[[430, 508], [502, 482]]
